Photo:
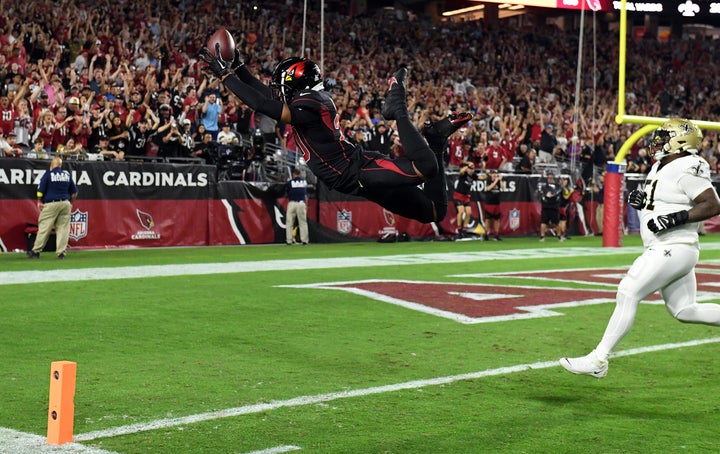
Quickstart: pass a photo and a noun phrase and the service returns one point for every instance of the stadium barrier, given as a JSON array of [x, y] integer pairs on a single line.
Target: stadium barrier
[[134, 204]]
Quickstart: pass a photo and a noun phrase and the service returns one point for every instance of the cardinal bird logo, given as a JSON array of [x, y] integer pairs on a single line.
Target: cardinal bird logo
[[146, 219]]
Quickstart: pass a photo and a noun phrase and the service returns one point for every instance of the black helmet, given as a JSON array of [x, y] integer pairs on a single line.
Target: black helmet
[[292, 75]]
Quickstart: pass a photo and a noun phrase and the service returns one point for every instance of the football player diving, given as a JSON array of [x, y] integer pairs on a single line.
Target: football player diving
[[297, 97]]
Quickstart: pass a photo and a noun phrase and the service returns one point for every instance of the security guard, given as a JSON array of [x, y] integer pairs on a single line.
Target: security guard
[[56, 193], [297, 207]]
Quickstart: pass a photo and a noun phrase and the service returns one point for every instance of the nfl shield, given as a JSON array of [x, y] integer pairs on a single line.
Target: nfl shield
[[344, 221], [78, 224], [514, 219]]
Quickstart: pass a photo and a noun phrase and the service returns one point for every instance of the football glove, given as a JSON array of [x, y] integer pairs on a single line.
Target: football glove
[[636, 199], [216, 65], [667, 221]]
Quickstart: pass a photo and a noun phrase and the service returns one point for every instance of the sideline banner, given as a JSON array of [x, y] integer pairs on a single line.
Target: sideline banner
[[120, 204]]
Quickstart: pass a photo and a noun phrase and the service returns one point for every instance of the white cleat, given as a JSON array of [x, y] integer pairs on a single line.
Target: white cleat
[[586, 365]]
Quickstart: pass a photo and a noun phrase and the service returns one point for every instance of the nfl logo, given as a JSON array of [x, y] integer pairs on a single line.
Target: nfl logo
[[78, 224], [514, 219], [344, 221]]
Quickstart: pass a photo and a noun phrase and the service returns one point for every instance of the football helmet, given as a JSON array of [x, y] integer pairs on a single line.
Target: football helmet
[[675, 136], [292, 75]]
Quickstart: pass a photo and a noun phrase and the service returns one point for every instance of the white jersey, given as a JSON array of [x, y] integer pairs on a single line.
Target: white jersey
[[674, 188]]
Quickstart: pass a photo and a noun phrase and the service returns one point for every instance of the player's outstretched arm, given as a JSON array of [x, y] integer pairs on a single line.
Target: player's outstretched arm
[[256, 100]]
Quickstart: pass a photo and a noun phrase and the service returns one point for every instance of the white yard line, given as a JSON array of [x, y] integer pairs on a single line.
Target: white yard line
[[320, 398], [277, 450], [14, 442], [135, 272]]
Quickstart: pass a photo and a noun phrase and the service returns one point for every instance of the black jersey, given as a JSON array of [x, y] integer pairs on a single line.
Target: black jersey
[[316, 124], [464, 183]]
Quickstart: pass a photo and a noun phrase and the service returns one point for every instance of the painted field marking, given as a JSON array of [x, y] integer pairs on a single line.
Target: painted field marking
[[277, 450], [320, 398], [132, 272], [15, 442]]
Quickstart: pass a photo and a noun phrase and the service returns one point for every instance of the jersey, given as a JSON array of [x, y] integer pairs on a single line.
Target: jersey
[[671, 188], [328, 154], [297, 189], [56, 184]]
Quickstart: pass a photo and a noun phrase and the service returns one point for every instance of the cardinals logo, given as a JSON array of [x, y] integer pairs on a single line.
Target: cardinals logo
[[146, 219]]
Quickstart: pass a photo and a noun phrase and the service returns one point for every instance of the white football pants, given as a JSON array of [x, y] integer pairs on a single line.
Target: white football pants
[[670, 269]]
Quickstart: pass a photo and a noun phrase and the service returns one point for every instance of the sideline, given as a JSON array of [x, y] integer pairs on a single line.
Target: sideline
[[320, 398], [136, 272]]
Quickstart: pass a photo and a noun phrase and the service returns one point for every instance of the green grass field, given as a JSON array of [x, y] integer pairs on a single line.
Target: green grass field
[[255, 349]]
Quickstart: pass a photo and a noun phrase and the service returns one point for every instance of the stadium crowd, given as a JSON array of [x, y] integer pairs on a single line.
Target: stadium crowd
[[109, 80]]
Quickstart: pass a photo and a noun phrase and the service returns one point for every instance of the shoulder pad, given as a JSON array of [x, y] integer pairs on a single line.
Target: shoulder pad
[[698, 167]]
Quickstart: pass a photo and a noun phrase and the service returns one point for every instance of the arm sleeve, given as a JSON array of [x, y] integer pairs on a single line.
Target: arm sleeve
[[244, 75], [256, 100]]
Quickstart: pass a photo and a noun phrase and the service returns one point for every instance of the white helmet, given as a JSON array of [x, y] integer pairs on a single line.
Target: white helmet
[[675, 136]]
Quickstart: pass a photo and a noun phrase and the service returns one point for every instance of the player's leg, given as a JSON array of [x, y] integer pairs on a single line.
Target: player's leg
[[407, 201], [649, 272], [414, 146], [290, 222], [436, 134], [62, 227], [46, 221], [302, 223], [680, 295], [460, 213]]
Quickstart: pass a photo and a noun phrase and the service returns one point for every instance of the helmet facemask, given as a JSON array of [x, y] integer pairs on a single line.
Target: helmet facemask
[[675, 136], [293, 75]]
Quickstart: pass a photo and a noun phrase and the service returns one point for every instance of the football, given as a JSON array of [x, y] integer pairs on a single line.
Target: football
[[227, 44]]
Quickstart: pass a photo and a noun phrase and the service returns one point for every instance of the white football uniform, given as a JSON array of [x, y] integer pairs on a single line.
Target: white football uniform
[[668, 262], [670, 189]]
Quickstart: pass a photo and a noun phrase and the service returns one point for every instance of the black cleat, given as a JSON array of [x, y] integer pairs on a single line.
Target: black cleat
[[61, 256], [436, 133], [33, 255], [395, 105]]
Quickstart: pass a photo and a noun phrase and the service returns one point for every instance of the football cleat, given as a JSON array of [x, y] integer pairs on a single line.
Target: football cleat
[[395, 105], [586, 365], [436, 133]]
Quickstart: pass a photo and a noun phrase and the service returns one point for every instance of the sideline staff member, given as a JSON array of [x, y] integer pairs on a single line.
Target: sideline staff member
[[297, 207], [56, 193]]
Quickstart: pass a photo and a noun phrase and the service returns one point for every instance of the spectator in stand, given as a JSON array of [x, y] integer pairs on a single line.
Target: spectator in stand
[[9, 146], [548, 141], [140, 133], [75, 150], [23, 124], [38, 150], [456, 151], [494, 159], [210, 113], [172, 144], [118, 134], [45, 130], [527, 163], [381, 138], [227, 136], [105, 150]]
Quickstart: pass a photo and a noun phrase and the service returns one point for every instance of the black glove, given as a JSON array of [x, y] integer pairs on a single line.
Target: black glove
[[238, 62], [666, 221], [636, 199], [216, 65]]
